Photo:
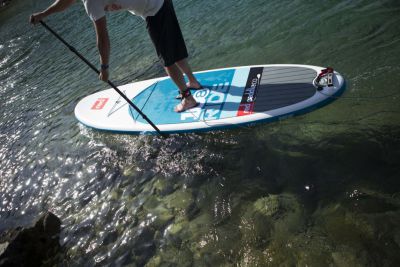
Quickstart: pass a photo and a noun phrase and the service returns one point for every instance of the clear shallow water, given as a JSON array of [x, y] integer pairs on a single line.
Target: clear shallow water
[[313, 190]]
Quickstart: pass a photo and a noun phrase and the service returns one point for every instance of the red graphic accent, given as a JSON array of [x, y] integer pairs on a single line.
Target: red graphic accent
[[100, 103], [245, 109]]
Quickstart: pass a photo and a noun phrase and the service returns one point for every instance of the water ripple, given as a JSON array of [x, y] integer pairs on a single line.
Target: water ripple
[[288, 193]]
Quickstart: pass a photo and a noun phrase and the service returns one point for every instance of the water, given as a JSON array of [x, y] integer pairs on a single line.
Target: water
[[321, 189]]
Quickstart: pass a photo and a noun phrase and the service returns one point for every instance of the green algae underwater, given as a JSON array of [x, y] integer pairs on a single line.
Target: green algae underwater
[[320, 189]]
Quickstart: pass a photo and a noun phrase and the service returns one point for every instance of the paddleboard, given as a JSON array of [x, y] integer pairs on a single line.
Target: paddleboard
[[231, 97]]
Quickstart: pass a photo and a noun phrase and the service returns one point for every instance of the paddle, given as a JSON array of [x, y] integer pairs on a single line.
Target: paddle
[[108, 81]]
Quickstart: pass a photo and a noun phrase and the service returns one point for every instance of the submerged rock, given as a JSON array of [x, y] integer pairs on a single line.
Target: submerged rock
[[344, 227], [192, 211], [162, 187], [397, 238], [32, 246], [156, 214], [172, 256], [274, 218], [347, 258], [143, 245], [267, 206], [180, 200], [366, 201]]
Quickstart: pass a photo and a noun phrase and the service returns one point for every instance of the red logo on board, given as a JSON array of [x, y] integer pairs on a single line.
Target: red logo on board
[[100, 103], [247, 104], [245, 109]]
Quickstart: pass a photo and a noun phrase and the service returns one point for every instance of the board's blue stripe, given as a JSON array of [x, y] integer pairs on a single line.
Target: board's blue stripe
[[133, 113], [232, 102], [147, 100]]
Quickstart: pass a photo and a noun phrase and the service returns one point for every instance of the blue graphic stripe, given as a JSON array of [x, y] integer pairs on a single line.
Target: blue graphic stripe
[[235, 94], [140, 101]]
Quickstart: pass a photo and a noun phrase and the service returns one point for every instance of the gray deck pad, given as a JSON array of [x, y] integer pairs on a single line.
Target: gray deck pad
[[284, 86]]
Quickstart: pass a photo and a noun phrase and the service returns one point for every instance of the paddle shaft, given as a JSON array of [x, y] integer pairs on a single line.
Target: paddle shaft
[[98, 72]]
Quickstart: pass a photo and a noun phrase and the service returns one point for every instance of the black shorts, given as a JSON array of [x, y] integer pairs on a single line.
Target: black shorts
[[166, 35]]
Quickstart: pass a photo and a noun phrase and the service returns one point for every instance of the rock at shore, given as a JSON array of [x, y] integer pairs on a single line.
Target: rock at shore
[[31, 246]]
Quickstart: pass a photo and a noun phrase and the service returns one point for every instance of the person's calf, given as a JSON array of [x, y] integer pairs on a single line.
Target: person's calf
[[177, 77]]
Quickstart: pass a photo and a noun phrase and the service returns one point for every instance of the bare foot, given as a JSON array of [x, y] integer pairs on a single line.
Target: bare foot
[[187, 103], [196, 85]]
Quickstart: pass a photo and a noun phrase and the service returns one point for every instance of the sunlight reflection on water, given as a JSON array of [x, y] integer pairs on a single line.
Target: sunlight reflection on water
[[314, 190]]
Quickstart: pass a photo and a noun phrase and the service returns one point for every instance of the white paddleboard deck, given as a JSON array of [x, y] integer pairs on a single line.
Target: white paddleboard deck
[[230, 97]]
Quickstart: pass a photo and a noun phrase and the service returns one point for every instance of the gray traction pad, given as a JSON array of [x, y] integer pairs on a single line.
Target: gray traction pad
[[284, 86]]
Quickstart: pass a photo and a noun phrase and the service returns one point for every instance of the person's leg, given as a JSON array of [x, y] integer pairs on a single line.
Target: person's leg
[[177, 77], [185, 68], [167, 38]]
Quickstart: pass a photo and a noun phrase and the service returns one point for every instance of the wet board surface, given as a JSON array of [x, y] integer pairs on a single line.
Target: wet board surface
[[230, 97]]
